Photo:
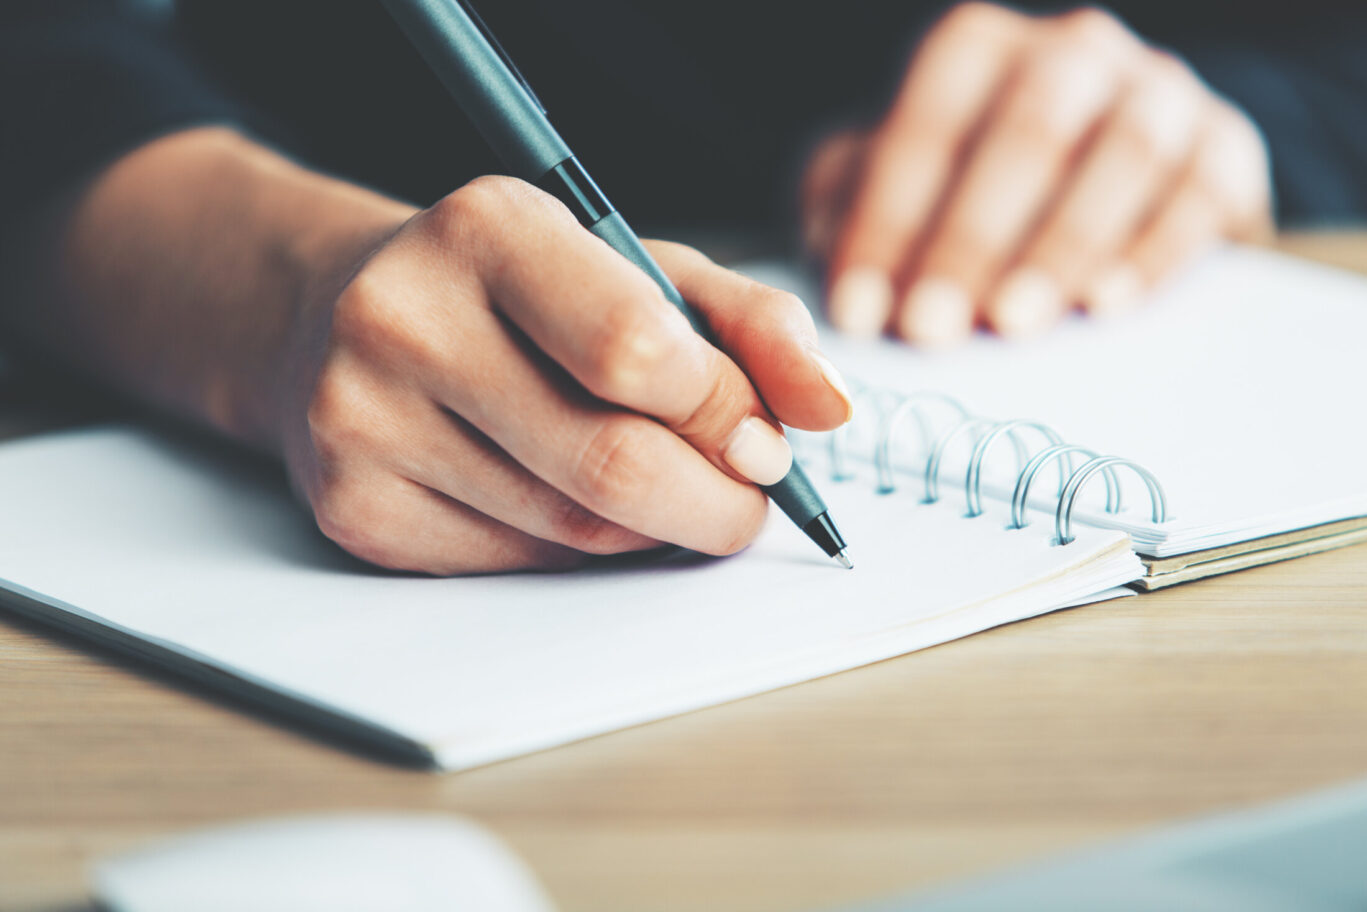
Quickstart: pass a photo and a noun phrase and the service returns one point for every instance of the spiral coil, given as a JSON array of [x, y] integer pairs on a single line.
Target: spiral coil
[[897, 411]]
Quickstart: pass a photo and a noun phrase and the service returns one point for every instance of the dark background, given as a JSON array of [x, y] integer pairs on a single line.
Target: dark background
[[688, 113]]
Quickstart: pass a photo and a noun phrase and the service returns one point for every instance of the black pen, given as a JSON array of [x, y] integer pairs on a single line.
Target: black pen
[[475, 69]]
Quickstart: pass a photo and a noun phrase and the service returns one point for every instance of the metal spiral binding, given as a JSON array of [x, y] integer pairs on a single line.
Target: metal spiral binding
[[973, 479], [1063, 515], [1027, 475], [893, 410], [912, 405], [937, 454]]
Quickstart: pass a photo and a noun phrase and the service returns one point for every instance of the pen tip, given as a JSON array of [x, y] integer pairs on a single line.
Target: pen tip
[[844, 559]]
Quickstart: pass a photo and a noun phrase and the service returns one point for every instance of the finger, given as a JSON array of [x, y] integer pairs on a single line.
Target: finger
[[952, 78], [770, 335], [373, 419], [624, 467], [828, 186], [605, 322], [402, 525], [1051, 104], [449, 455], [583, 304], [1133, 159], [1222, 191]]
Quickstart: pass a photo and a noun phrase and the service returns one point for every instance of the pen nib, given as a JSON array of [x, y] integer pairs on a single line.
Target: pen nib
[[843, 558]]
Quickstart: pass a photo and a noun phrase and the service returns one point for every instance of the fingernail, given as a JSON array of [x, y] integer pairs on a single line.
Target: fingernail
[[861, 300], [1114, 291], [937, 312], [1027, 303], [758, 452], [834, 381]]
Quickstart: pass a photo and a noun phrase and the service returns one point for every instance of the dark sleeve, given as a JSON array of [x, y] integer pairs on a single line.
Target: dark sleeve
[[82, 81], [1305, 85]]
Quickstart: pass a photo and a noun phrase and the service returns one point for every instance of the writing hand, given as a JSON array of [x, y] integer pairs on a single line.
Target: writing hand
[[1027, 165], [495, 388]]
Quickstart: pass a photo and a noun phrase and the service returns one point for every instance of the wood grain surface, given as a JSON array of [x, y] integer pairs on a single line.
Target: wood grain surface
[[1023, 740]]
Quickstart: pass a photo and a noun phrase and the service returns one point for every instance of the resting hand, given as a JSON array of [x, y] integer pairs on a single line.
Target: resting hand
[[496, 388], [1028, 165]]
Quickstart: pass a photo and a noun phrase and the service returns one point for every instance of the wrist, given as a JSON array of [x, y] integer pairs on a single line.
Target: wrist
[[321, 231], [179, 274]]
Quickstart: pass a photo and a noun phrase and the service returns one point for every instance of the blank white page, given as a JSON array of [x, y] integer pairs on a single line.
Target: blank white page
[[209, 558], [1241, 386]]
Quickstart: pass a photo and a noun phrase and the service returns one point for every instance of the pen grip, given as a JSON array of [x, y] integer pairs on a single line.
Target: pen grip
[[794, 495], [619, 236]]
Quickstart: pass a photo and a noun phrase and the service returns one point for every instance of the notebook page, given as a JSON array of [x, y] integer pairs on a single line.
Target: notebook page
[[1239, 386], [212, 559]]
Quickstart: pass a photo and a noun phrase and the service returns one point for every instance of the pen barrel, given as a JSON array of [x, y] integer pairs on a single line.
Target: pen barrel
[[502, 110]]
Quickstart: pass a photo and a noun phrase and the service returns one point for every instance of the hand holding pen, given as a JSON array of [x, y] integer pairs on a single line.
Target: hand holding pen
[[474, 68], [495, 388]]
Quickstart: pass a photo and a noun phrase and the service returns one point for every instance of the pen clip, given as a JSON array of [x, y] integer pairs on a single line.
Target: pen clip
[[498, 49]]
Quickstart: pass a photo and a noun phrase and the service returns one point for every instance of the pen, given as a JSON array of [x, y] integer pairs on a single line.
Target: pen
[[469, 61]]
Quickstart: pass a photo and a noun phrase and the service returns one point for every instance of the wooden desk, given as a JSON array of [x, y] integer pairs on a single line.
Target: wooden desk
[[1016, 742]]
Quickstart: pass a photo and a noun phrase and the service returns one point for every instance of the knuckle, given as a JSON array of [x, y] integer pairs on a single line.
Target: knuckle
[[362, 311], [487, 200], [612, 472], [469, 204], [968, 19], [349, 514], [1173, 71], [1094, 27], [485, 194], [630, 350], [1160, 112], [335, 414], [728, 401], [586, 531], [370, 321], [1059, 92]]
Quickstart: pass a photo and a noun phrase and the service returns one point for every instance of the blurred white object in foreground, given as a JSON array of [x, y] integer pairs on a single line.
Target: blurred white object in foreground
[[338, 863]]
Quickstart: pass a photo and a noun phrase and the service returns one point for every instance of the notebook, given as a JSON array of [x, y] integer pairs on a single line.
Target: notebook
[[199, 560], [1241, 388]]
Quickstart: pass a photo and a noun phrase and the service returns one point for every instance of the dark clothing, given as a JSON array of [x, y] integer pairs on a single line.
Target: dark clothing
[[686, 112]]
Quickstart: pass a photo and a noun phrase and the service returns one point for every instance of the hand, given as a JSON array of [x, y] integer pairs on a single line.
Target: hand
[[1028, 165], [495, 388]]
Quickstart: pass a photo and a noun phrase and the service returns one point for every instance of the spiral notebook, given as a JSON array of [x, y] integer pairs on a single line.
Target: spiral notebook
[[1240, 391], [1236, 399]]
